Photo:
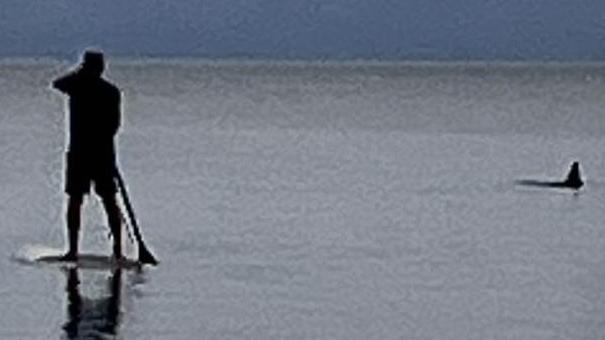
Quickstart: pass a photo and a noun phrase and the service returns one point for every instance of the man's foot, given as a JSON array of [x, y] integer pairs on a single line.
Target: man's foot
[[69, 257], [118, 257]]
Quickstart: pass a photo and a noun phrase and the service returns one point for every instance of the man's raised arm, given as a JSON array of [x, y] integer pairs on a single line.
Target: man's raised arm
[[66, 83]]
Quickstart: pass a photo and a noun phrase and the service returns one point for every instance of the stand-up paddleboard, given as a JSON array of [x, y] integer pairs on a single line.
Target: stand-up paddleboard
[[91, 261], [573, 181], [39, 255]]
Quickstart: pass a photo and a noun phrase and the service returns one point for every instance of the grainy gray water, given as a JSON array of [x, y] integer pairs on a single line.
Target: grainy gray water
[[299, 201]]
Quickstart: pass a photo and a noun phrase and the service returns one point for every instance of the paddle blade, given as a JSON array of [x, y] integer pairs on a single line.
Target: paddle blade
[[145, 256]]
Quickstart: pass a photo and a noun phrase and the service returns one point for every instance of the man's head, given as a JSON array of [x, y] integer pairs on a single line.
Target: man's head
[[93, 63]]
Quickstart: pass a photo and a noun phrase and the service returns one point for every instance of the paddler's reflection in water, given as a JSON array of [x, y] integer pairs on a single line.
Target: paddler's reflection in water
[[92, 318]]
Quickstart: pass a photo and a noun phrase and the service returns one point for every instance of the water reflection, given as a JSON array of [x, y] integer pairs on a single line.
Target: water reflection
[[93, 318]]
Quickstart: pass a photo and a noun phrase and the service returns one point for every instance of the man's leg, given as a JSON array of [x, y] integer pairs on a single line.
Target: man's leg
[[74, 206], [115, 223]]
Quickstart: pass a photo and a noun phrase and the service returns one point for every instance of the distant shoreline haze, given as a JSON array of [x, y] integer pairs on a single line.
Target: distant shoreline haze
[[337, 30], [118, 60], [74, 56]]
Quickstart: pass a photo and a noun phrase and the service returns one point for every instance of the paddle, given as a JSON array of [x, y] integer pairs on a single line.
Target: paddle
[[145, 255]]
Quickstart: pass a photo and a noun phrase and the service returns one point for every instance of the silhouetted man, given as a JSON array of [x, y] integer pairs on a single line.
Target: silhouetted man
[[94, 119]]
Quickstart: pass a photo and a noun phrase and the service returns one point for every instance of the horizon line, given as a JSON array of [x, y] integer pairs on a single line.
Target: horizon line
[[121, 59]]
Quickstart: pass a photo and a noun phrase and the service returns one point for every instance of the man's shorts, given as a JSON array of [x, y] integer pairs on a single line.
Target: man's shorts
[[82, 170]]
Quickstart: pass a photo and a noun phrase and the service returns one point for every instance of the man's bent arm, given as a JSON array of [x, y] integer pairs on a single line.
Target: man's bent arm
[[116, 113], [66, 83]]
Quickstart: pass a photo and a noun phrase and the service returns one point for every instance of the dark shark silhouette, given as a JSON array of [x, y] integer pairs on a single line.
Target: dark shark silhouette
[[573, 180]]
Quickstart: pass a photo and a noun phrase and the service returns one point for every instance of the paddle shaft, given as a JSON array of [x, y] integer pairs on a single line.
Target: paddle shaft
[[144, 254]]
